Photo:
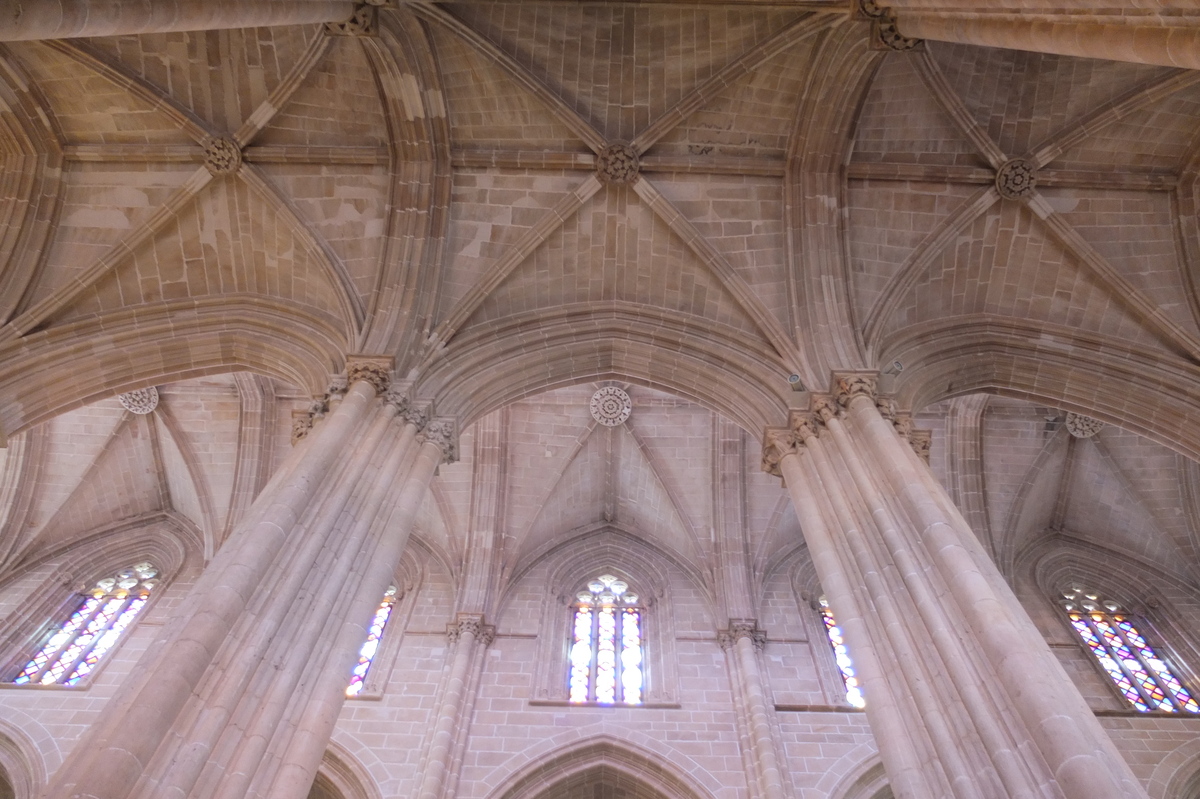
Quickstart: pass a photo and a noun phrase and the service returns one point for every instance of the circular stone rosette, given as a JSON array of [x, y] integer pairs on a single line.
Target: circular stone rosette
[[611, 406], [222, 156], [1082, 426], [141, 402], [1017, 179], [617, 163]]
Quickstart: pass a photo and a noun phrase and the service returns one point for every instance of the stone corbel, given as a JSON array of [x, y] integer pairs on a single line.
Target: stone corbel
[[363, 22], [884, 34], [302, 423], [374, 369]]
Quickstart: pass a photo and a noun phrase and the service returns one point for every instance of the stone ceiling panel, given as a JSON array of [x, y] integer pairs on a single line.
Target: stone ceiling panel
[[346, 207], [123, 482], [743, 218], [102, 204], [622, 67], [1103, 509], [208, 414], [73, 442], [752, 117], [1160, 138], [1006, 264], [337, 105], [544, 434], [491, 212], [489, 110], [1023, 98], [1135, 233], [227, 241], [901, 122], [221, 76], [91, 109], [887, 222], [1023, 454], [614, 248]]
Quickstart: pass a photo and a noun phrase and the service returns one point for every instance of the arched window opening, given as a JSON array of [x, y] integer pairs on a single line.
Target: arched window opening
[[606, 644], [366, 655], [842, 655], [104, 612], [1137, 671]]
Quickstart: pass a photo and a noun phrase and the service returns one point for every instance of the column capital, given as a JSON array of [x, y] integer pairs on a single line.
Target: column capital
[[443, 432], [739, 629], [472, 623], [374, 369], [778, 442], [848, 386]]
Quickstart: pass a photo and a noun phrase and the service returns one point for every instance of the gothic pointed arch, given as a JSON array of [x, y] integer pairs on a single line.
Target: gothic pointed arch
[[601, 762]]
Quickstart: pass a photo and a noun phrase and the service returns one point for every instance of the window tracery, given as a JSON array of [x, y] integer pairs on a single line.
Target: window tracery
[[1143, 677], [103, 613], [366, 655], [841, 654], [606, 651]]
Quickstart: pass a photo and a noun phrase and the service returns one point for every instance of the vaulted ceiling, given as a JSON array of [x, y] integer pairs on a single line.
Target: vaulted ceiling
[[186, 205]]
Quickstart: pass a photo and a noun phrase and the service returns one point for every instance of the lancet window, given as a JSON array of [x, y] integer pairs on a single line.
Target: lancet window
[[842, 655], [606, 644], [366, 655], [102, 614], [1135, 668]]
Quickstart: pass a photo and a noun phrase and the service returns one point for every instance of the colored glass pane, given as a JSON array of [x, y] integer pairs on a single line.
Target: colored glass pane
[[842, 655], [606, 645], [75, 649], [1137, 671], [366, 654]]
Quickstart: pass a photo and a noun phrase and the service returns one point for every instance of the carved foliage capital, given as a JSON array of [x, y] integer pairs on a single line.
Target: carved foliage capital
[[848, 386], [374, 369], [778, 442], [739, 629], [443, 431], [922, 442], [302, 422], [474, 624]]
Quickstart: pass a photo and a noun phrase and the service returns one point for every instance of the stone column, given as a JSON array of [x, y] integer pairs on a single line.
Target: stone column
[[742, 642], [964, 696], [468, 634], [218, 705], [1155, 33], [65, 19]]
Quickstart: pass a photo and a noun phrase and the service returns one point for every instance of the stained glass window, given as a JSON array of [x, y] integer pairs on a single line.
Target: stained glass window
[[1110, 634], [103, 613], [366, 655], [842, 655], [606, 644]]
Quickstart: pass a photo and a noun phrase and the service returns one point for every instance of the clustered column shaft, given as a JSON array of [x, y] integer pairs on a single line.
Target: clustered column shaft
[[962, 692], [241, 696], [741, 642]]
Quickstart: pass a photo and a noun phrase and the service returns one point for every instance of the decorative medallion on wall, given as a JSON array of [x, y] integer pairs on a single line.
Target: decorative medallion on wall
[[1016, 179], [1082, 426], [611, 406], [141, 402], [617, 163]]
